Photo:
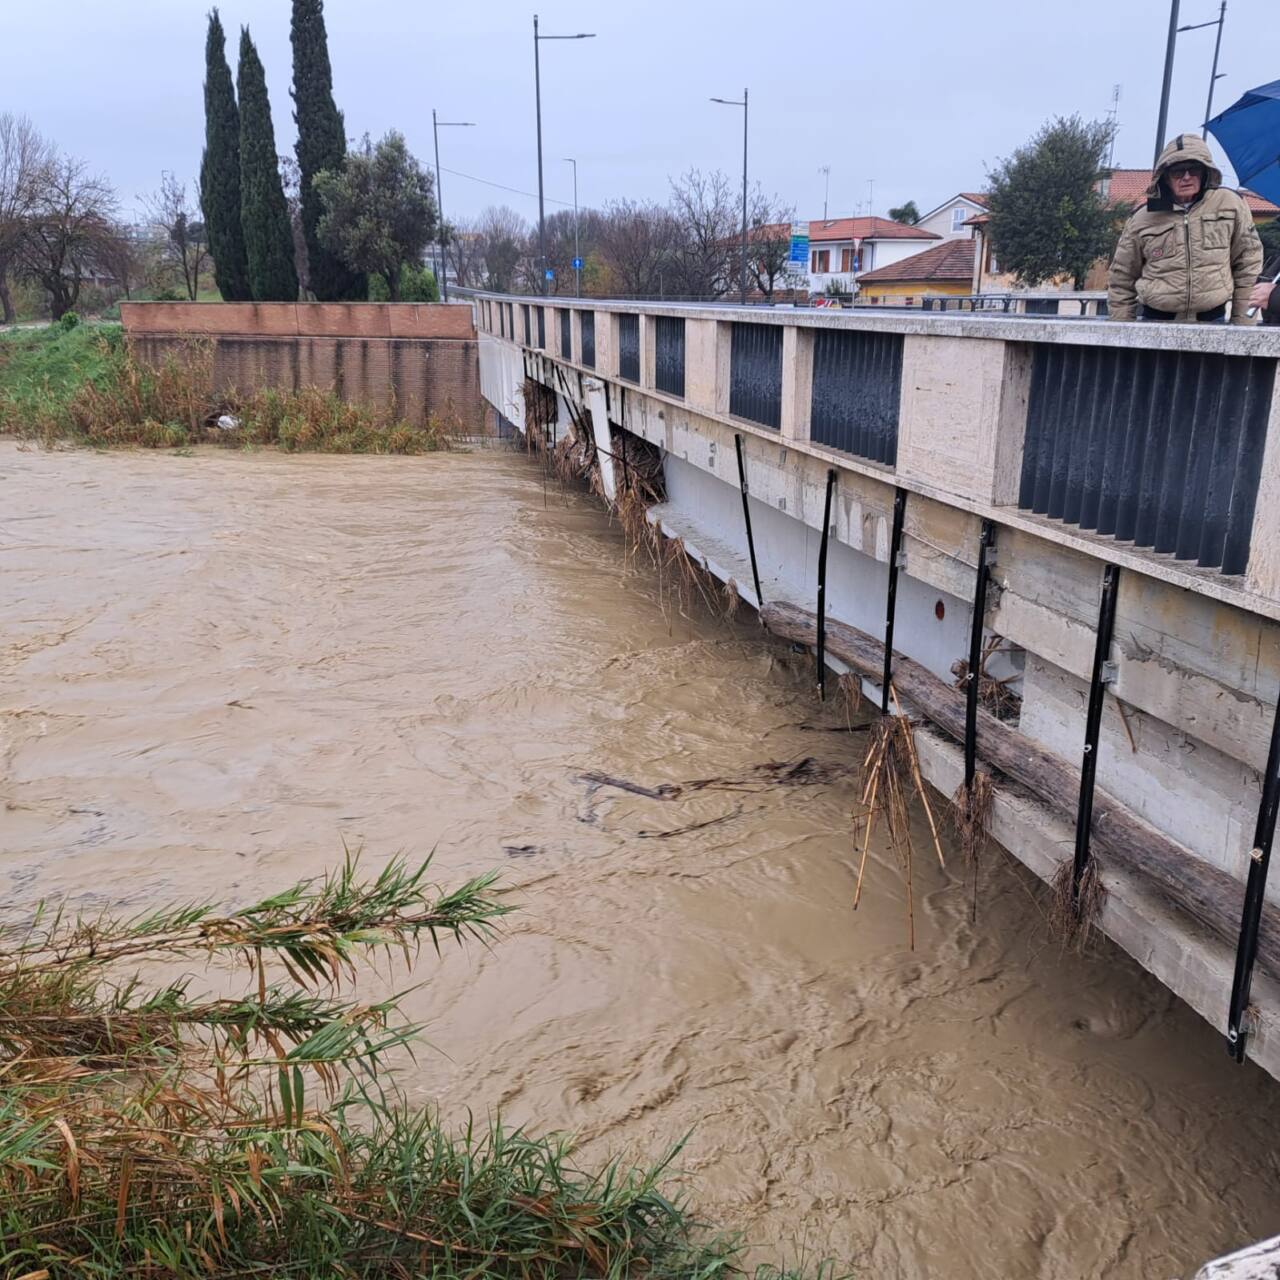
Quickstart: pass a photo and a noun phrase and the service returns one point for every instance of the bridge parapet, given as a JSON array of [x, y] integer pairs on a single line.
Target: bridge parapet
[[1150, 444]]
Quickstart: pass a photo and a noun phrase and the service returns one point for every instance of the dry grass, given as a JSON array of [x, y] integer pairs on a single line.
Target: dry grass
[[891, 775], [170, 404], [1073, 917], [971, 820], [993, 693]]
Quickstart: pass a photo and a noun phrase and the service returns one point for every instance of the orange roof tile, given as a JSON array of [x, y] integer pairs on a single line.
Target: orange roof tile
[[950, 260], [1129, 186], [866, 229]]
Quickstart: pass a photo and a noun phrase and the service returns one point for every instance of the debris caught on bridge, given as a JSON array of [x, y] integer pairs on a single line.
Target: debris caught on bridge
[[891, 773], [1204, 894]]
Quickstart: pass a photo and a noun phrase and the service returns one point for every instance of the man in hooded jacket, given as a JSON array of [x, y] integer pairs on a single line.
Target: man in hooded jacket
[[1192, 253]]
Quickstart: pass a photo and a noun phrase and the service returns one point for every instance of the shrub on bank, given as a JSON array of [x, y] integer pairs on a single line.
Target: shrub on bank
[[83, 385], [174, 1132]]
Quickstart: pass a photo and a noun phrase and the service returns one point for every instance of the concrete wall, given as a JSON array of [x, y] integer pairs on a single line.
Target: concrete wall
[[1197, 653], [418, 360]]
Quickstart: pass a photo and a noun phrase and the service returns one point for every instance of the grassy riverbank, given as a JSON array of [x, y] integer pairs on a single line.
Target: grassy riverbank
[[82, 385], [170, 1132]]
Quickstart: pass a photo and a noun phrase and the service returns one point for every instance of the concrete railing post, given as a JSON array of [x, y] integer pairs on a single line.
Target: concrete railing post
[[797, 382], [963, 416]]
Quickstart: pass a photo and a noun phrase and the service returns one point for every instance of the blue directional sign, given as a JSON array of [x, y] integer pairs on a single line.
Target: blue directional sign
[[577, 264], [551, 275]]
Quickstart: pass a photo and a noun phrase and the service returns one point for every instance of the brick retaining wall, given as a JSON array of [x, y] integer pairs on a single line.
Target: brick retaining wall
[[420, 358]]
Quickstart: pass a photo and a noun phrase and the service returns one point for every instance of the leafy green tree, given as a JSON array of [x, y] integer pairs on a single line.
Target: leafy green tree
[[322, 144], [379, 210], [1047, 217], [264, 214], [907, 213], [417, 284], [220, 170], [1269, 234]]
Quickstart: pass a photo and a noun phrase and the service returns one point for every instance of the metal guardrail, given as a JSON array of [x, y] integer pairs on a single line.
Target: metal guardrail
[[755, 373], [857, 386], [668, 354], [588, 330], [629, 347], [1160, 448]]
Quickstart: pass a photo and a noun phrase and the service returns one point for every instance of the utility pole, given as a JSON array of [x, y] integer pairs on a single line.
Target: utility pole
[[577, 251], [436, 126], [733, 102], [1114, 115], [871, 197], [825, 170], [1214, 77], [1163, 121], [537, 90]]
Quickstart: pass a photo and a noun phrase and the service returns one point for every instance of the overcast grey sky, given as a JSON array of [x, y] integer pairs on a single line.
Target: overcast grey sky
[[919, 95]]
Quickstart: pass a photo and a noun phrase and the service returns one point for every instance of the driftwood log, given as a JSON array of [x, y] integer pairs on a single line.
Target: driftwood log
[[1207, 896]]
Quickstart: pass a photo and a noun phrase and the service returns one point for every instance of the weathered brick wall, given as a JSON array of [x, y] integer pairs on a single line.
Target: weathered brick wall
[[420, 359]]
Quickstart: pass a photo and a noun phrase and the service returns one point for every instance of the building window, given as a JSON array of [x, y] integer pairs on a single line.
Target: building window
[[821, 262], [849, 259], [958, 217], [992, 265]]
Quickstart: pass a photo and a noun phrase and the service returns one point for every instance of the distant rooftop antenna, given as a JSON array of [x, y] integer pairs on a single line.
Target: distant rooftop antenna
[[1114, 116]]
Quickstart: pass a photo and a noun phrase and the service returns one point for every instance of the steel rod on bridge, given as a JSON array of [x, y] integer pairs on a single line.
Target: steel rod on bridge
[[822, 587], [1093, 723], [746, 516], [891, 604], [1254, 896], [986, 553]]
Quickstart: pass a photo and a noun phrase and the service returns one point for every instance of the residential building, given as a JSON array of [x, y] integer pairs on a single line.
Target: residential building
[[1129, 187], [840, 249], [945, 269], [951, 218]]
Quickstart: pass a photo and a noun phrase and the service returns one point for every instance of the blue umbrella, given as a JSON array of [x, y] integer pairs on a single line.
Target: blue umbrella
[[1249, 131]]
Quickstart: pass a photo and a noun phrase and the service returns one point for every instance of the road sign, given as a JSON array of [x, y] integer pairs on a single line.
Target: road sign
[[798, 255], [551, 275], [577, 264]]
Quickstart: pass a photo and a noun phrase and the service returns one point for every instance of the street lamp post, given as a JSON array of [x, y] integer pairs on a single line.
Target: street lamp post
[[733, 102], [436, 126], [1214, 77], [577, 251], [1169, 48], [825, 170], [537, 89]]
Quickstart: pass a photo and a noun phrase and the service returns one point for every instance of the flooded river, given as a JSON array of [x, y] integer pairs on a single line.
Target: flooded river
[[215, 670]]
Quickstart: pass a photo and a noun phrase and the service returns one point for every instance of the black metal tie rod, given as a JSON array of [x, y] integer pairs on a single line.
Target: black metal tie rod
[[986, 554], [822, 587], [746, 516], [1093, 723], [891, 604], [1254, 895]]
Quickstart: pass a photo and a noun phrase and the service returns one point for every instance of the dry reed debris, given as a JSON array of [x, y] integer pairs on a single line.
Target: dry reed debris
[[1073, 916], [891, 772]]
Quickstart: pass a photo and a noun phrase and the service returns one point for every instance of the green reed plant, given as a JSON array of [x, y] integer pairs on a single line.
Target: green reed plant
[[167, 1131]]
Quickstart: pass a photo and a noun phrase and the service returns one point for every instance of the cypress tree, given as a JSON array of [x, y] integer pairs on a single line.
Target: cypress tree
[[322, 145], [220, 170], [264, 215]]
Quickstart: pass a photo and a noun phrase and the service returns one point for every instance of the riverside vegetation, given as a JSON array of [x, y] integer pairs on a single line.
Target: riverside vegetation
[[80, 384], [164, 1131]]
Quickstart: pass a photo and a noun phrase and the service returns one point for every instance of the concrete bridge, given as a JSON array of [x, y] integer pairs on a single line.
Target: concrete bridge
[[1119, 483]]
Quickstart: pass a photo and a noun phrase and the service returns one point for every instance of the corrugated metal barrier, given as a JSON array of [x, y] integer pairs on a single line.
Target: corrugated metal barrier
[[857, 388], [588, 338], [1160, 448], [755, 373], [566, 332], [542, 327], [668, 355], [629, 347]]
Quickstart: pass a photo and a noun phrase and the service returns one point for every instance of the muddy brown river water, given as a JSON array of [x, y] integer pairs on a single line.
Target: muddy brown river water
[[217, 669]]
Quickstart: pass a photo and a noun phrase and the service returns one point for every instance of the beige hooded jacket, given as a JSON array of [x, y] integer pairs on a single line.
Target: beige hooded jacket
[[1186, 261]]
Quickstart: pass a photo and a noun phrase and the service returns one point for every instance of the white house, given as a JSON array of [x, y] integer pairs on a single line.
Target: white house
[[842, 248], [949, 218]]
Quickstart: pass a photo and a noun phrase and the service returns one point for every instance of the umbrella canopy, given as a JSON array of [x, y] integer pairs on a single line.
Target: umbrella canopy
[[1249, 131]]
